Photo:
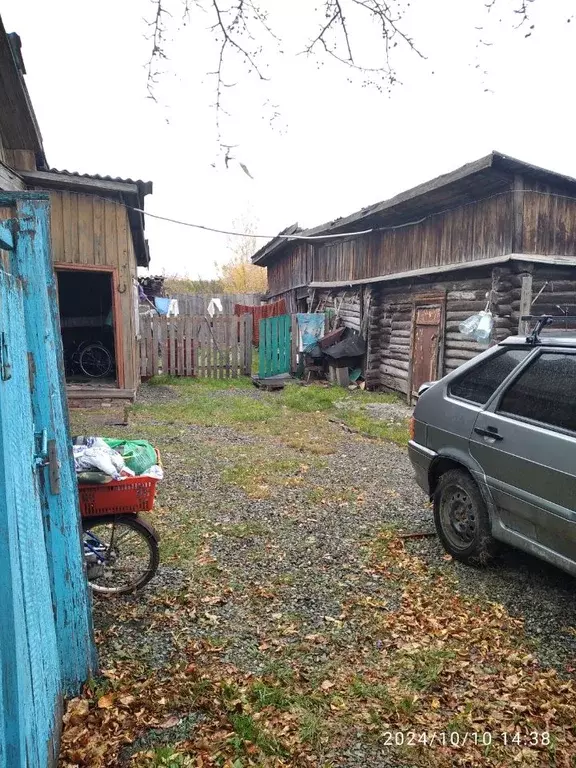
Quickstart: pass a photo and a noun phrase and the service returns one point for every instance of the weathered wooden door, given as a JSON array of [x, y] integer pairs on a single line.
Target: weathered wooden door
[[46, 648], [274, 346], [426, 344]]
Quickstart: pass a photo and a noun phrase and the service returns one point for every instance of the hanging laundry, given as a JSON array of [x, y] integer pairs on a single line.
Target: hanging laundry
[[214, 306], [162, 305], [173, 310]]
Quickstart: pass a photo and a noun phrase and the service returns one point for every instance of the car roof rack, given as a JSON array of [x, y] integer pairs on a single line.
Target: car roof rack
[[541, 322]]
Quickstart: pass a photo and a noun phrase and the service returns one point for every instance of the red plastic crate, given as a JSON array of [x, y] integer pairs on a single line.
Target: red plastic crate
[[118, 497]]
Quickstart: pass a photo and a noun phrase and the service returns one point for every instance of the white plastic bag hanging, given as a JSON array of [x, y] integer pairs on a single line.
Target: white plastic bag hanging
[[483, 330], [468, 326]]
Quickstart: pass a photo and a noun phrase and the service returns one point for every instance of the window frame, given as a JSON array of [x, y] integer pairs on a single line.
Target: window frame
[[505, 381], [518, 373]]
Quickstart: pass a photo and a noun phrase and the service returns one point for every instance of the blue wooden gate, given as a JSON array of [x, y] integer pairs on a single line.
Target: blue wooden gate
[[274, 346], [46, 646]]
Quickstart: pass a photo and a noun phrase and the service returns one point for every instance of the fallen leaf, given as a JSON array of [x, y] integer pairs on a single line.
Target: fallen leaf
[[170, 722], [326, 685], [106, 702]]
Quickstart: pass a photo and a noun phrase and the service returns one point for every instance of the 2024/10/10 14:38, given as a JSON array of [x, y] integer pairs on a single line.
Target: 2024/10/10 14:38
[[460, 739]]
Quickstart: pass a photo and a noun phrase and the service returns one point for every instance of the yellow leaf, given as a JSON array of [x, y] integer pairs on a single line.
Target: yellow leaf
[[105, 702]]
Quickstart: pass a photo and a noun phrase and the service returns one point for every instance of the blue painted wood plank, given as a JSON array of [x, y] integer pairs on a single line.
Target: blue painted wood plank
[[31, 261], [30, 661], [6, 237]]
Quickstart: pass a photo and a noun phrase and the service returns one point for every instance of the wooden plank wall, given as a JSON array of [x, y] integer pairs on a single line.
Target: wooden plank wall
[[481, 230], [197, 304], [292, 270], [220, 348], [549, 221], [87, 230]]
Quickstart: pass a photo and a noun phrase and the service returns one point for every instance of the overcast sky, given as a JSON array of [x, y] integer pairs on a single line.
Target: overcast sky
[[336, 147]]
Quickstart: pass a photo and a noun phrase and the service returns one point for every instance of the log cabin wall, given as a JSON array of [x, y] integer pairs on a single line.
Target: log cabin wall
[[391, 324], [90, 231]]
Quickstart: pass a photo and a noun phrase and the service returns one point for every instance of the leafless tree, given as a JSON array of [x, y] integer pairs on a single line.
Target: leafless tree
[[243, 29]]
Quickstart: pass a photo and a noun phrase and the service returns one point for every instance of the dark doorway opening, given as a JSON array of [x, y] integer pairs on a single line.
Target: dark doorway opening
[[87, 321]]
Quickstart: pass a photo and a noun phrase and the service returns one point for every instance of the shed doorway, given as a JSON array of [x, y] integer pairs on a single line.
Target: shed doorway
[[87, 319], [426, 337]]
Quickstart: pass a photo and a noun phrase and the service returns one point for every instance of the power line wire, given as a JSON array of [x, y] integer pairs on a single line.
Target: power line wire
[[334, 235]]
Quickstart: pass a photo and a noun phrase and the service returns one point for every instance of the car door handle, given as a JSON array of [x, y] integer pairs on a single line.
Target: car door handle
[[488, 432]]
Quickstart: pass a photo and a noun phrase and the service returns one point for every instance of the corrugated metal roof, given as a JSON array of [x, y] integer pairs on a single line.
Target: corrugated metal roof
[[98, 177]]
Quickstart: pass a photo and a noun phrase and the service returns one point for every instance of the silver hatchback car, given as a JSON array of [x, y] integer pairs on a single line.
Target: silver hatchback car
[[493, 444]]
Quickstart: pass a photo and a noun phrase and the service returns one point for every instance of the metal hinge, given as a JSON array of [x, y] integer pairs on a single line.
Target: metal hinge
[[47, 456], [5, 364]]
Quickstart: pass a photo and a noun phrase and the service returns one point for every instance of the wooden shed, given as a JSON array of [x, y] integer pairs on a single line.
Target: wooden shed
[[97, 242], [405, 272]]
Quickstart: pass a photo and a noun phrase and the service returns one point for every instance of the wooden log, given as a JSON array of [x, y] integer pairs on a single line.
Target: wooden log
[[402, 326], [459, 316], [467, 306], [470, 346], [466, 295], [400, 365], [394, 383], [461, 354], [398, 356]]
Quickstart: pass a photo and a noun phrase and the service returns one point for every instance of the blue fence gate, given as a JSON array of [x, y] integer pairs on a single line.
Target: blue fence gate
[[46, 647]]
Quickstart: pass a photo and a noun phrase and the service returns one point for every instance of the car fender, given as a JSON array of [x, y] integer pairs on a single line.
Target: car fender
[[465, 460]]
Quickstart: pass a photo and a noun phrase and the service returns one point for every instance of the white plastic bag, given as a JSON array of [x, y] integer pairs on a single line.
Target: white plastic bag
[[96, 458], [468, 326], [478, 327]]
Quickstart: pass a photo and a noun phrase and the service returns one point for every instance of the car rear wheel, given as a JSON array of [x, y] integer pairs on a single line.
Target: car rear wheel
[[461, 518]]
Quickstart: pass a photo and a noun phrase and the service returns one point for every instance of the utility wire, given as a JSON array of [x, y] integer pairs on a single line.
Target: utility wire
[[334, 235], [246, 234]]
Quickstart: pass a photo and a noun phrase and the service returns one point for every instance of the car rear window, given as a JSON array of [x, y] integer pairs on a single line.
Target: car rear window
[[545, 392], [479, 384]]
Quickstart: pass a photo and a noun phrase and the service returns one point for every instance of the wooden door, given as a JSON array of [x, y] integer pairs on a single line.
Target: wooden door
[[426, 344], [46, 649]]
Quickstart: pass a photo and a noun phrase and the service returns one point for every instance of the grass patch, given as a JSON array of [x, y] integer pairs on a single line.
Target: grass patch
[[258, 478], [191, 384], [263, 695], [180, 540], [362, 422], [247, 732], [422, 670], [311, 728]]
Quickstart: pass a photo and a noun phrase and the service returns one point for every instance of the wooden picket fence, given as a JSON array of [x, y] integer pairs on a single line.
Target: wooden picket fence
[[218, 348]]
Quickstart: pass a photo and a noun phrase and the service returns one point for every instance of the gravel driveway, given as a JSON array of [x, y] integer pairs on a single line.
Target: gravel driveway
[[279, 553]]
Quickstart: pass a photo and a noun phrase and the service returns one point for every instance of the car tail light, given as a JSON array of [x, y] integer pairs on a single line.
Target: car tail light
[[412, 428]]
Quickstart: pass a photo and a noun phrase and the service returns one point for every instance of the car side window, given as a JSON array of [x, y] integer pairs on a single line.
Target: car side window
[[479, 384], [544, 393]]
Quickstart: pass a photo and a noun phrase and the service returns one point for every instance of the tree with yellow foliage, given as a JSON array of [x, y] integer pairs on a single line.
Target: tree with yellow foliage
[[239, 275]]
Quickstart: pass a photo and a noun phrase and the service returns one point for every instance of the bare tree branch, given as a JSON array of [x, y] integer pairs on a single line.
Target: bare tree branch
[[242, 30]]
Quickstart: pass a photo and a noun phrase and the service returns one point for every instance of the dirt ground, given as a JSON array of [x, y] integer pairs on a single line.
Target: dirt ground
[[291, 624]]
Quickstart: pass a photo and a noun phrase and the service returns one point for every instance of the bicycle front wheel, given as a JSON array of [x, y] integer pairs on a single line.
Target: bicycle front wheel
[[95, 361], [121, 554]]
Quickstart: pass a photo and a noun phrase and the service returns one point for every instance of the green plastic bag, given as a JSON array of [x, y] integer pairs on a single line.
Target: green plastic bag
[[139, 455]]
